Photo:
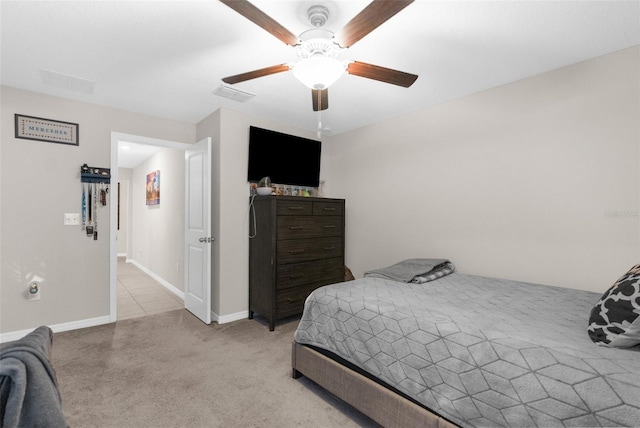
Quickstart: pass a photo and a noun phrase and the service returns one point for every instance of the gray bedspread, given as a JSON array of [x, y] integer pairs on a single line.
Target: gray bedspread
[[480, 351]]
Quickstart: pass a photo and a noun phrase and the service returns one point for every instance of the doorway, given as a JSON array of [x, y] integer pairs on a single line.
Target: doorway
[[140, 294], [137, 270]]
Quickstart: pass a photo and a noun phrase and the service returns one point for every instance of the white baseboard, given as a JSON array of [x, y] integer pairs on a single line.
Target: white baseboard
[[223, 319], [172, 288], [57, 328], [74, 325], [220, 319], [92, 322]]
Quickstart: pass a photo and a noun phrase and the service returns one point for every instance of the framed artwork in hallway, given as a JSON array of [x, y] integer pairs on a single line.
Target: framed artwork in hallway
[[153, 188]]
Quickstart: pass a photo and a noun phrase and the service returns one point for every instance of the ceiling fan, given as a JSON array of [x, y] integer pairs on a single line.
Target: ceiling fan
[[318, 49]]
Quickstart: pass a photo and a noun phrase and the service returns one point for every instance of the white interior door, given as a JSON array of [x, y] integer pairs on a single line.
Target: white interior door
[[197, 219]]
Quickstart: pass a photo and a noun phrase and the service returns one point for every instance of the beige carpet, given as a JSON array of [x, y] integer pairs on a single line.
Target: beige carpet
[[171, 370]]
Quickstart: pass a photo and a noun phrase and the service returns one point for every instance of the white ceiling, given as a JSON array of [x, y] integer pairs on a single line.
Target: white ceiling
[[166, 58], [131, 154]]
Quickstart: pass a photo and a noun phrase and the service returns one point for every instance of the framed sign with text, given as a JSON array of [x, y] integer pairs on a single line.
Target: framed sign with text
[[51, 131]]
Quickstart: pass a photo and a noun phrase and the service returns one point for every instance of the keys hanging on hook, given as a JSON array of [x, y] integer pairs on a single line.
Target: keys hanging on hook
[[103, 195]]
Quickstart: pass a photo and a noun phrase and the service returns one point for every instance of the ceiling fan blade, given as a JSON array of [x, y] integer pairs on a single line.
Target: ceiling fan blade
[[320, 99], [263, 20], [256, 73], [382, 74], [370, 18]]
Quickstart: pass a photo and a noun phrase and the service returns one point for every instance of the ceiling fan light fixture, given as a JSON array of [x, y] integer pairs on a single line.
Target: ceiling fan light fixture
[[318, 71]]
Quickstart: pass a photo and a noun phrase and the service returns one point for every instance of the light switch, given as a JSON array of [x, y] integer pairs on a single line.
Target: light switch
[[71, 219]]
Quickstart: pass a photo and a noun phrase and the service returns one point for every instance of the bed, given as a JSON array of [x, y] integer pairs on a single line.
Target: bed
[[469, 351]]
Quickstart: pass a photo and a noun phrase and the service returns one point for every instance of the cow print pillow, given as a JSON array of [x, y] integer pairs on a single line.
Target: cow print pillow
[[615, 319]]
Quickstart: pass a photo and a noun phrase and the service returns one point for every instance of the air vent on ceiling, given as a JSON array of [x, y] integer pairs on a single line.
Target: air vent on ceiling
[[65, 81], [233, 93]]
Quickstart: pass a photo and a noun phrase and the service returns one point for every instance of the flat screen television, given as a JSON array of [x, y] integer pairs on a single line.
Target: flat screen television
[[284, 158]]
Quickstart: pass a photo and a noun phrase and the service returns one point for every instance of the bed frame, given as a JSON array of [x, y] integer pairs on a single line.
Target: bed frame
[[386, 407]]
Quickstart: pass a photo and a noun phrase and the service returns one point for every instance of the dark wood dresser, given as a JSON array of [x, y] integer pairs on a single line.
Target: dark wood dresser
[[297, 245]]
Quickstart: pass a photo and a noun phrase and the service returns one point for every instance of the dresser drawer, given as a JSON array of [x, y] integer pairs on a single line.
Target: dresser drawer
[[291, 301], [295, 227], [328, 208], [296, 274], [300, 250], [284, 207]]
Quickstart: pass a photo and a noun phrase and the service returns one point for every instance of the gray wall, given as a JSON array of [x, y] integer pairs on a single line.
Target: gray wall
[[230, 134], [40, 182], [537, 180], [157, 231]]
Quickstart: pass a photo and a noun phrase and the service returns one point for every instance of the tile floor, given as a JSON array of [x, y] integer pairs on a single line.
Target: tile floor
[[140, 295]]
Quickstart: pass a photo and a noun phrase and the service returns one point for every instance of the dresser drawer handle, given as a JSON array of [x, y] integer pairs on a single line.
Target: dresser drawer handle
[[329, 248], [296, 251], [296, 276], [294, 300], [329, 208], [329, 226], [296, 227], [295, 207]]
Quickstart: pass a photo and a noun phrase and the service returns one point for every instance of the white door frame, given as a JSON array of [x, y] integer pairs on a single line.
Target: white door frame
[[116, 137]]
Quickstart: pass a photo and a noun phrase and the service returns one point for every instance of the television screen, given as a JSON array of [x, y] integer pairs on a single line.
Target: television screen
[[285, 159]]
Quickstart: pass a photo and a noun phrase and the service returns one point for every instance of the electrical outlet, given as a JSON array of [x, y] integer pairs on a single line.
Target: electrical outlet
[[71, 219], [34, 292]]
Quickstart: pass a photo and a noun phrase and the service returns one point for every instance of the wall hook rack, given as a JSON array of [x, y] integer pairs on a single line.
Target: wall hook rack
[[92, 174]]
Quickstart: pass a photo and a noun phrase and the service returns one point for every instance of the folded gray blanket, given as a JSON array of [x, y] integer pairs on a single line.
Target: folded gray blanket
[[414, 270], [29, 395]]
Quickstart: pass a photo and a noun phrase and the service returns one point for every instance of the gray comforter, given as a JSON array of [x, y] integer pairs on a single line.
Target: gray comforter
[[29, 395], [480, 351]]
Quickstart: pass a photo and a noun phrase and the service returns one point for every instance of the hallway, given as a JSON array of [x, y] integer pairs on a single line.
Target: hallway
[[140, 295]]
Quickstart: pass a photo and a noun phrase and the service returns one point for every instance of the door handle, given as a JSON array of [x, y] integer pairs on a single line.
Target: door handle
[[207, 239]]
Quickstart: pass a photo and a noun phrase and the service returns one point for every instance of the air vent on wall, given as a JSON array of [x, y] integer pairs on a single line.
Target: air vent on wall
[[233, 93]]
